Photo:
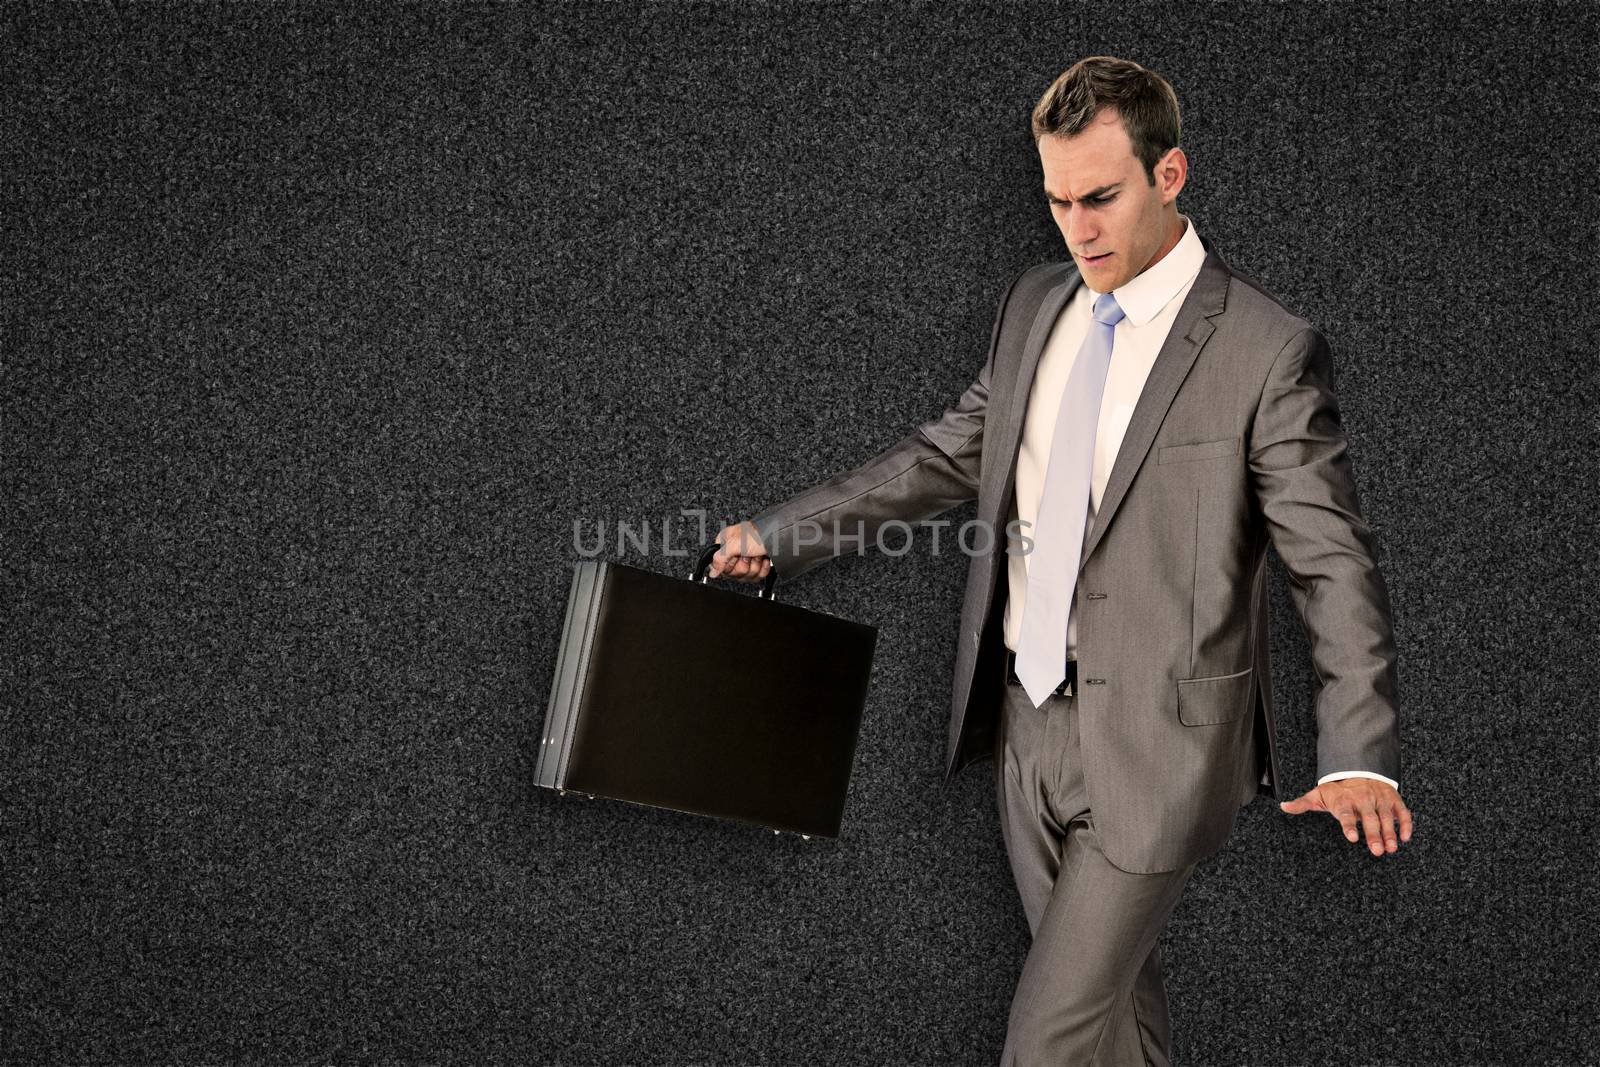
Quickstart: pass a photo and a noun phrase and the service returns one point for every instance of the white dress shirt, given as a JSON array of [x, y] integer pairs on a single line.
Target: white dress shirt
[[1149, 303]]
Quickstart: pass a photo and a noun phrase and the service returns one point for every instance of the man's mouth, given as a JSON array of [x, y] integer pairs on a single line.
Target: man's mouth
[[1097, 259]]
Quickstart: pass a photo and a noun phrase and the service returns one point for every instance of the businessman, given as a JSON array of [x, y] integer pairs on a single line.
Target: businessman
[[1146, 420]]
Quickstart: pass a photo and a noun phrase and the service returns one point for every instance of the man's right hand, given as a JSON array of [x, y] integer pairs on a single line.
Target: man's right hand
[[742, 554]]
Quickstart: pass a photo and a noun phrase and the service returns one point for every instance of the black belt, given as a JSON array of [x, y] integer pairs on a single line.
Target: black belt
[[1062, 690]]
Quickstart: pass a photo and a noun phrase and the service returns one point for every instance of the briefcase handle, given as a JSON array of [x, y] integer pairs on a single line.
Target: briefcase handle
[[700, 569]]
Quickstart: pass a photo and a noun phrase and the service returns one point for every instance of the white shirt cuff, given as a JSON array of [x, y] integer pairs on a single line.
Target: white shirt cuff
[[1336, 775]]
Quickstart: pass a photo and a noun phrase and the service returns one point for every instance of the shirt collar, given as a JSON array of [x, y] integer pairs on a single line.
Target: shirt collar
[[1143, 297]]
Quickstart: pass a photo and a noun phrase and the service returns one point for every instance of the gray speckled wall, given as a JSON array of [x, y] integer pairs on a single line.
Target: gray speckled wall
[[322, 325]]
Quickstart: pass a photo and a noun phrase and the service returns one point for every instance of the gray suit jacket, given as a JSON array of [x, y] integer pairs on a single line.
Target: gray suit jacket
[[1235, 438]]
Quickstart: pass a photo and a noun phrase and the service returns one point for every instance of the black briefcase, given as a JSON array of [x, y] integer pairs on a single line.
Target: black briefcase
[[683, 695]]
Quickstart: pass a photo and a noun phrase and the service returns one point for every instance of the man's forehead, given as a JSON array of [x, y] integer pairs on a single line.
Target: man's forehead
[[1083, 182], [1079, 170]]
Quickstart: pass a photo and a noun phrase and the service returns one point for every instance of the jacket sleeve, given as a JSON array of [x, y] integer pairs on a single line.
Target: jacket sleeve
[[1302, 477], [925, 474]]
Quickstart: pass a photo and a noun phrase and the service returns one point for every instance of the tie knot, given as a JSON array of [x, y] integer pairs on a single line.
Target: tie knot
[[1107, 310]]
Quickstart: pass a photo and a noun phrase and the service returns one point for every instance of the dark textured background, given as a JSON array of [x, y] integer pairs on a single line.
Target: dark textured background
[[322, 326]]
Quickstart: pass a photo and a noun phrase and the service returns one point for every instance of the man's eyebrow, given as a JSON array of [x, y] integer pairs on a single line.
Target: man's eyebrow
[[1092, 194]]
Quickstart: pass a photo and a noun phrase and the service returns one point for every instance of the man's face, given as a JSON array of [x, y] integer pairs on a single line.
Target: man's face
[[1104, 204]]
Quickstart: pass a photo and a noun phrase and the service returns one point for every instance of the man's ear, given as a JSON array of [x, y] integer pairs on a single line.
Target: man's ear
[[1171, 174]]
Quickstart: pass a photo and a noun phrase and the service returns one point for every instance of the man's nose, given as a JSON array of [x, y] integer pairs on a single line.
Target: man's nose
[[1080, 233]]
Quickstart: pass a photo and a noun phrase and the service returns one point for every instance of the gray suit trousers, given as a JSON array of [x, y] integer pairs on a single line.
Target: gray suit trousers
[[1091, 991]]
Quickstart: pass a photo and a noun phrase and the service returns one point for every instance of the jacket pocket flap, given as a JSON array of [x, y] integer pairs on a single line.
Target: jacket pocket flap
[[1220, 698], [1223, 446]]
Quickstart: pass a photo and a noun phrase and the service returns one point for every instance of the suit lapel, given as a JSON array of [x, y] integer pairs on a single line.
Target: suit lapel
[[1190, 331]]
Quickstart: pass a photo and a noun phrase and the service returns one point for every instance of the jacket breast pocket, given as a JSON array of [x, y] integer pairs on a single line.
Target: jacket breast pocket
[[1217, 699], [1223, 446]]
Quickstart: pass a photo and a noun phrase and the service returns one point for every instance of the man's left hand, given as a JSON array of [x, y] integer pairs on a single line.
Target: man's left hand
[[1374, 804]]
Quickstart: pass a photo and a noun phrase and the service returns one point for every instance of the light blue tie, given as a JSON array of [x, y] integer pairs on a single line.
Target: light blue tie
[[1063, 511]]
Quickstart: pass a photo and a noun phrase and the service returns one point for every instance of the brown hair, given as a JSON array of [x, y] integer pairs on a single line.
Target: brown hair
[[1142, 98]]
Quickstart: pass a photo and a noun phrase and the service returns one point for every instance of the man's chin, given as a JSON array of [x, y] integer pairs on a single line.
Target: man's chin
[[1101, 281]]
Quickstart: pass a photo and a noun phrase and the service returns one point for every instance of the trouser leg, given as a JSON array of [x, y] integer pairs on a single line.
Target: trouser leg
[[1091, 991]]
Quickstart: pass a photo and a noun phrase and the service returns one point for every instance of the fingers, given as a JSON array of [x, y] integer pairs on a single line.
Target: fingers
[[726, 559], [742, 555], [753, 568], [1311, 801], [1373, 827], [1346, 814], [1395, 812], [1355, 819], [1377, 821]]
